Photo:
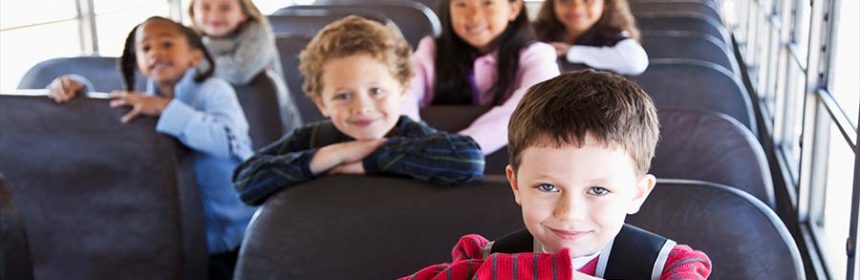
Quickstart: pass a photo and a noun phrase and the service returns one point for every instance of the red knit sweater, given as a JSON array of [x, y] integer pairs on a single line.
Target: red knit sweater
[[682, 263]]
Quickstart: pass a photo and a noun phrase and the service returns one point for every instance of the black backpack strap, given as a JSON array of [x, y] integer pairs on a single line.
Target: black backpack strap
[[520, 241], [634, 254]]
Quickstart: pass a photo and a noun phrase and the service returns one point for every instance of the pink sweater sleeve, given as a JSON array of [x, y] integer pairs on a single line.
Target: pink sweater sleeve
[[685, 263], [537, 64], [469, 264], [421, 85]]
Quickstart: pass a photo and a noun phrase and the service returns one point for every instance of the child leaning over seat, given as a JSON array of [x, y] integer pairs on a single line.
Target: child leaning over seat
[[238, 36], [357, 72], [486, 56], [580, 148], [197, 109], [601, 34]]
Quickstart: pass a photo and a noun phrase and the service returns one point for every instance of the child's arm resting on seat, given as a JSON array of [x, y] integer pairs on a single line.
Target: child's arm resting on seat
[[274, 168], [344, 157], [469, 264], [139, 103], [65, 87], [626, 57], [440, 158], [290, 161]]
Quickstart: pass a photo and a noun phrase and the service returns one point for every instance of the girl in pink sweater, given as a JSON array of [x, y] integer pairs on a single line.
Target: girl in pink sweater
[[486, 56]]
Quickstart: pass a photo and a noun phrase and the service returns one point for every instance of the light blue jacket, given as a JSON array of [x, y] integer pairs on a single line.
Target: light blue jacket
[[207, 118]]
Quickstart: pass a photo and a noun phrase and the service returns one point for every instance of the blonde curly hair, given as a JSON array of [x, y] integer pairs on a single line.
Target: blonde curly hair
[[355, 35]]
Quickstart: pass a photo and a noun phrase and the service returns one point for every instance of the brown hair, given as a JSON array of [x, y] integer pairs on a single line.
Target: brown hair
[[616, 18], [562, 110], [355, 35], [248, 8]]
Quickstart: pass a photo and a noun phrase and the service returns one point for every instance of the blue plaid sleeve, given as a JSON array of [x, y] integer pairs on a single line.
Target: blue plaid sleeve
[[276, 167], [428, 155]]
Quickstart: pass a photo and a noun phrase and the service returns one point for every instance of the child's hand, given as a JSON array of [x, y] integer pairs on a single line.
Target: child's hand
[[561, 49], [333, 155], [348, 168], [139, 103], [64, 88], [582, 276]]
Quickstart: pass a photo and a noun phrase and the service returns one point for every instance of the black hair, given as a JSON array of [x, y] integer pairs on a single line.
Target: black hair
[[127, 63], [455, 57]]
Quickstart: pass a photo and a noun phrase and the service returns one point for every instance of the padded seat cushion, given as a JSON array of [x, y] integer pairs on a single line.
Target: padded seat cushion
[[101, 199], [743, 238], [15, 260], [268, 107], [711, 147], [100, 70], [347, 227], [699, 85], [414, 19]]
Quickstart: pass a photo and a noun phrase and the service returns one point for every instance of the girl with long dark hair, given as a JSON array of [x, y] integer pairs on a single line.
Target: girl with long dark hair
[[487, 55]]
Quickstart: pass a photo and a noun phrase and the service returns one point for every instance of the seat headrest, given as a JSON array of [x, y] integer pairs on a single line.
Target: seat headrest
[[359, 227], [742, 236], [711, 147]]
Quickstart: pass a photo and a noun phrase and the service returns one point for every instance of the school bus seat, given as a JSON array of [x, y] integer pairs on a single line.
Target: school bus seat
[[415, 20], [742, 236], [362, 227], [308, 21], [15, 249], [696, 84], [100, 70], [712, 147], [269, 108], [679, 44], [289, 47], [101, 199]]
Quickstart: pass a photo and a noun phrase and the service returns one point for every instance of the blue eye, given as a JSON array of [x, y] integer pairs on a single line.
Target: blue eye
[[340, 96], [598, 191], [547, 188], [376, 91]]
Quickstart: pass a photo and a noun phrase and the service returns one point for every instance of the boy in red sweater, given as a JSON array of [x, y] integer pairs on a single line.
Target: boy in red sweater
[[580, 147]]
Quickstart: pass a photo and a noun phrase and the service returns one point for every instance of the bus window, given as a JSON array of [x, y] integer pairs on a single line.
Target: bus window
[[115, 18], [21, 22]]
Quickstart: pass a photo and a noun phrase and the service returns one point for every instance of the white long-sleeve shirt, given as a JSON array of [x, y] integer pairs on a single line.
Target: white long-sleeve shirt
[[626, 57]]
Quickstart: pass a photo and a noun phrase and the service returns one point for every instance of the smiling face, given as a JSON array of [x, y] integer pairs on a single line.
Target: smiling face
[[479, 22], [578, 16], [360, 95], [218, 18], [577, 197], [163, 53]]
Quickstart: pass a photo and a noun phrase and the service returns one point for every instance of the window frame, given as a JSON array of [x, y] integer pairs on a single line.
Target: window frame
[[820, 114], [812, 106]]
